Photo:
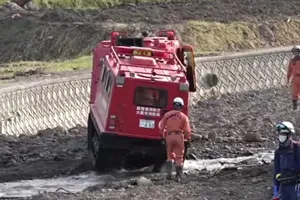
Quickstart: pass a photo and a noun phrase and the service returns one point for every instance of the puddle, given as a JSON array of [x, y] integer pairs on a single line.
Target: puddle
[[78, 183], [221, 163], [32, 187]]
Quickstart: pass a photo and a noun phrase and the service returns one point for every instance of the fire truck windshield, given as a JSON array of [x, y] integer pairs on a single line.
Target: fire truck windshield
[[151, 97]]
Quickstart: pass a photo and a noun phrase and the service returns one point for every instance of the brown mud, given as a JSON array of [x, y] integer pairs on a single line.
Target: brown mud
[[234, 184], [222, 129]]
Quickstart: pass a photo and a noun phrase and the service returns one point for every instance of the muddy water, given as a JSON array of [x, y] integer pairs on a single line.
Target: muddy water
[[80, 182]]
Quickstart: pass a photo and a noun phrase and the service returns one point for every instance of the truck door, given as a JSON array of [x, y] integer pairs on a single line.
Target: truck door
[[186, 56]]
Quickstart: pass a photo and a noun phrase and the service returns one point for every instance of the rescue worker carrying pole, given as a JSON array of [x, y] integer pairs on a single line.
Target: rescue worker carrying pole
[[176, 130], [286, 175], [294, 73]]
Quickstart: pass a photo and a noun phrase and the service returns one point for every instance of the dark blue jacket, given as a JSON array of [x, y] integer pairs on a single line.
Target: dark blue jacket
[[286, 159]]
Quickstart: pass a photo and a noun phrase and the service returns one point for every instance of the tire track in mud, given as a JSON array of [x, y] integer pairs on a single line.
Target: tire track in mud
[[235, 183], [93, 181]]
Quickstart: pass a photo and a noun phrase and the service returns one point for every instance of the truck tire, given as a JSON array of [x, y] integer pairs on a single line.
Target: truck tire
[[99, 155]]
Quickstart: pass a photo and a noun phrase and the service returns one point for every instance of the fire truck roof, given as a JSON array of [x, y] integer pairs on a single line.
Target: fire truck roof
[[143, 63]]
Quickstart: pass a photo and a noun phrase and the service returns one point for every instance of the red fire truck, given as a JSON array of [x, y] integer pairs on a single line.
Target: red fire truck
[[134, 81]]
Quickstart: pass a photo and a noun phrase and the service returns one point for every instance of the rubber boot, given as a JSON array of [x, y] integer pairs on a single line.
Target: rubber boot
[[178, 173], [295, 105], [169, 169]]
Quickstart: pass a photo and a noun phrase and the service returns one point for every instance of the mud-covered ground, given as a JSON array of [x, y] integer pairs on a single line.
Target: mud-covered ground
[[235, 125], [242, 124], [245, 184], [49, 153]]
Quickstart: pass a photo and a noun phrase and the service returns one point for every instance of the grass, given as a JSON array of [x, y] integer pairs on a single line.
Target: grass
[[87, 4], [210, 37], [8, 71], [205, 37], [213, 37]]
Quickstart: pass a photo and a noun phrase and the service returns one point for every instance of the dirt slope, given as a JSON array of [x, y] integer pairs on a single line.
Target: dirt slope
[[65, 34]]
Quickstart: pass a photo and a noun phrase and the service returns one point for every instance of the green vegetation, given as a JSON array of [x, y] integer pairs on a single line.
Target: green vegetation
[[206, 37], [213, 37], [10, 70], [87, 4], [210, 37]]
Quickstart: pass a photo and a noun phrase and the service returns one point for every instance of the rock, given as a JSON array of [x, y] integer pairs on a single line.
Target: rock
[[247, 153], [31, 6], [212, 136], [250, 161], [10, 139], [196, 137], [48, 132], [252, 137], [5, 152], [13, 162], [142, 181], [74, 131], [255, 180], [229, 192], [60, 130]]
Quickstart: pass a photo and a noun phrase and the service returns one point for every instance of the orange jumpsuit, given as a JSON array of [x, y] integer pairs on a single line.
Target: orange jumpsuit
[[177, 129], [294, 72]]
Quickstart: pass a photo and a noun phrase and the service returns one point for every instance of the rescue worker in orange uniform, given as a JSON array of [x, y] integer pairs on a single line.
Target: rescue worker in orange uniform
[[176, 128], [294, 73]]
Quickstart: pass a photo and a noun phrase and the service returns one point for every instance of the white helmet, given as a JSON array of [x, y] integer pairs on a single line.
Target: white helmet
[[178, 101], [296, 50], [285, 127]]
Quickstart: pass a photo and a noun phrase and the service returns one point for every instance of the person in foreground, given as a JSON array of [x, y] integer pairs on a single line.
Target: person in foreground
[[176, 129], [286, 175]]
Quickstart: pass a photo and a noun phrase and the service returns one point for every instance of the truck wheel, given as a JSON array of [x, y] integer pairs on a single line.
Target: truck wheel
[[99, 155]]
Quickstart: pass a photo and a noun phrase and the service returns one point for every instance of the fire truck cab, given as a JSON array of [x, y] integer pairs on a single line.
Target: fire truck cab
[[134, 81]]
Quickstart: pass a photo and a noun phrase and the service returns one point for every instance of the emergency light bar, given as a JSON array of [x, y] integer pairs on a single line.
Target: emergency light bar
[[143, 52]]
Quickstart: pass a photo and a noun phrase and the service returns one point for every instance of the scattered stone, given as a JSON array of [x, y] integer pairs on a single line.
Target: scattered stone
[[250, 161], [212, 136], [5, 152], [252, 137], [74, 131], [48, 132], [142, 181]]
